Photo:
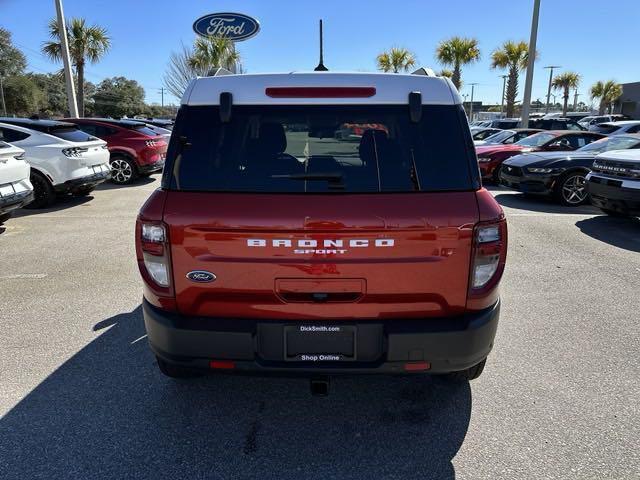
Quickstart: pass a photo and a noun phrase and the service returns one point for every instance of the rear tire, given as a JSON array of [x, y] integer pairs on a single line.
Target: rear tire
[[176, 371], [43, 193], [123, 170], [615, 213], [470, 373]]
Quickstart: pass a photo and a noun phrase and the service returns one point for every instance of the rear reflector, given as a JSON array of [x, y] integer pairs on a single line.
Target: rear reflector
[[222, 364], [320, 92], [417, 366]]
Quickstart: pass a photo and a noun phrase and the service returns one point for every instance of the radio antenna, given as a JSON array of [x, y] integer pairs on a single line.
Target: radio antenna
[[321, 67]]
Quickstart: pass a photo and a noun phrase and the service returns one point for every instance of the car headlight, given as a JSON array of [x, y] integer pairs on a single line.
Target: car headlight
[[541, 170]]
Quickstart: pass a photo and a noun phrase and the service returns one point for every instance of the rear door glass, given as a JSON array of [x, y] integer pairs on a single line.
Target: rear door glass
[[320, 149]]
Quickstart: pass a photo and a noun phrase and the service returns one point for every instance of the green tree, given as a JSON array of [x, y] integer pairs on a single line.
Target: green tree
[[210, 53], [564, 82], [456, 52], [445, 73], [22, 95], [12, 60], [206, 55], [607, 92], [512, 56], [396, 60], [86, 44], [119, 97]]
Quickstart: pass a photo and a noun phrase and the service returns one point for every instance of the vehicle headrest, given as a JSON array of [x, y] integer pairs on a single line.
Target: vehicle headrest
[[271, 139], [371, 139]]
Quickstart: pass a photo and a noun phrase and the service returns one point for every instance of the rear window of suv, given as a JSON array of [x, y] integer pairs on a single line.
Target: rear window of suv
[[70, 134], [320, 149]]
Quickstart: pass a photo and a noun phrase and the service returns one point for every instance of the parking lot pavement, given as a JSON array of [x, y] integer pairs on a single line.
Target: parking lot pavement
[[80, 395]]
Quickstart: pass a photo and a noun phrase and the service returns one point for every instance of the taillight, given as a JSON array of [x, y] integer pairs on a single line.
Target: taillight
[[489, 256], [74, 152], [153, 242], [151, 143]]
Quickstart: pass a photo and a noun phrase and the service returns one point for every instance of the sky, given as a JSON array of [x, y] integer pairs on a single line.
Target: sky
[[596, 38]]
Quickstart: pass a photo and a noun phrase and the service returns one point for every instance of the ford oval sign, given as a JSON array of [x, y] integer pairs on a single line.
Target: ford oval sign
[[234, 26], [201, 276]]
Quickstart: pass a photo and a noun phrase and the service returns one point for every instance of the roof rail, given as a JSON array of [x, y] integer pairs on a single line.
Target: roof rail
[[424, 71], [216, 72]]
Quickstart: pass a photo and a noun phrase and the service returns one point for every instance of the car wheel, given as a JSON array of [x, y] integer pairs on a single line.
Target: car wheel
[[615, 213], [496, 175], [571, 191], [123, 170], [43, 193], [4, 217], [83, 192], [176, 371], [470, 373]]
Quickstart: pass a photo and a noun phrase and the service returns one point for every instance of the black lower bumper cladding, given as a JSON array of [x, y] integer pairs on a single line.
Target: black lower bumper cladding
[[76, 183], [15, 200], [378, 346]]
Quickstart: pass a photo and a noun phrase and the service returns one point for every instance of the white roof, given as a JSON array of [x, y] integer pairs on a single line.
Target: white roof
[[624, 122], [391, 88], [631, 155]]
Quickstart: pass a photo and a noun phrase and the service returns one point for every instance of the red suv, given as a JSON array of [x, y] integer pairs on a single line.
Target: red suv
[[277, 245], [136, 150]]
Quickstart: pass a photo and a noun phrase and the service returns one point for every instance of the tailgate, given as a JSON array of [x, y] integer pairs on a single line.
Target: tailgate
[[321, 256]]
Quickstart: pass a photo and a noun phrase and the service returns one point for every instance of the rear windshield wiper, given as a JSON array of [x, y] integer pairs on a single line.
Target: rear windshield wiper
[[331, 177], [334, 179]]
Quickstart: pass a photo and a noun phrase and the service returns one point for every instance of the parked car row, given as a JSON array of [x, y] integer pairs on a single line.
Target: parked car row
[[572, 167], [43, 159]]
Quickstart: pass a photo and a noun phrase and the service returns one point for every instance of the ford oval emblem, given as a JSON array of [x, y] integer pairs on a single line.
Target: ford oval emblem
[[234, 26], [201, 276]]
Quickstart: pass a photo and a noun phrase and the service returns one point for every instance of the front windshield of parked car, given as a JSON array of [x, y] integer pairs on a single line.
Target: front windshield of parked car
[[500, 136], [536, 140], [611, 143]]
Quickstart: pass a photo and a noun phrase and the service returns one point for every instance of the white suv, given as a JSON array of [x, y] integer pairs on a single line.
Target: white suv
[[15, 188], [63, 158]]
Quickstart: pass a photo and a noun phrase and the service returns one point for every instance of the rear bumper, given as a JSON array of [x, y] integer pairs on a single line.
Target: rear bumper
[[87, 181], [448, 344], [151, 167], [614, 193], [16, 200]]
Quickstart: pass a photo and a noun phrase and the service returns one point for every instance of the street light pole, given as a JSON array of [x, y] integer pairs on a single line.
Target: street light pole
[[471, 102], [526, 101], [550, 67], [71, 91], [504, 86], [575, 100]]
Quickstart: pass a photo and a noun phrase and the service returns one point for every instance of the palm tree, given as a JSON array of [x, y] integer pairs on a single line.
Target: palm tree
[[564, 82], [213, 52], [458, 51], [86, 43], [396, 60], [514, 57], [445, 73], [607, 92]]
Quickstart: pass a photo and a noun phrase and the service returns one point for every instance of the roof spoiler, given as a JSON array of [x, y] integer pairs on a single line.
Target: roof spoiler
[[216, 72], [424, 71]]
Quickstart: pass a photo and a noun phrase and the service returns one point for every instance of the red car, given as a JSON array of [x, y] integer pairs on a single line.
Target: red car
[[273, 246], [490, 157], [135, 149]]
